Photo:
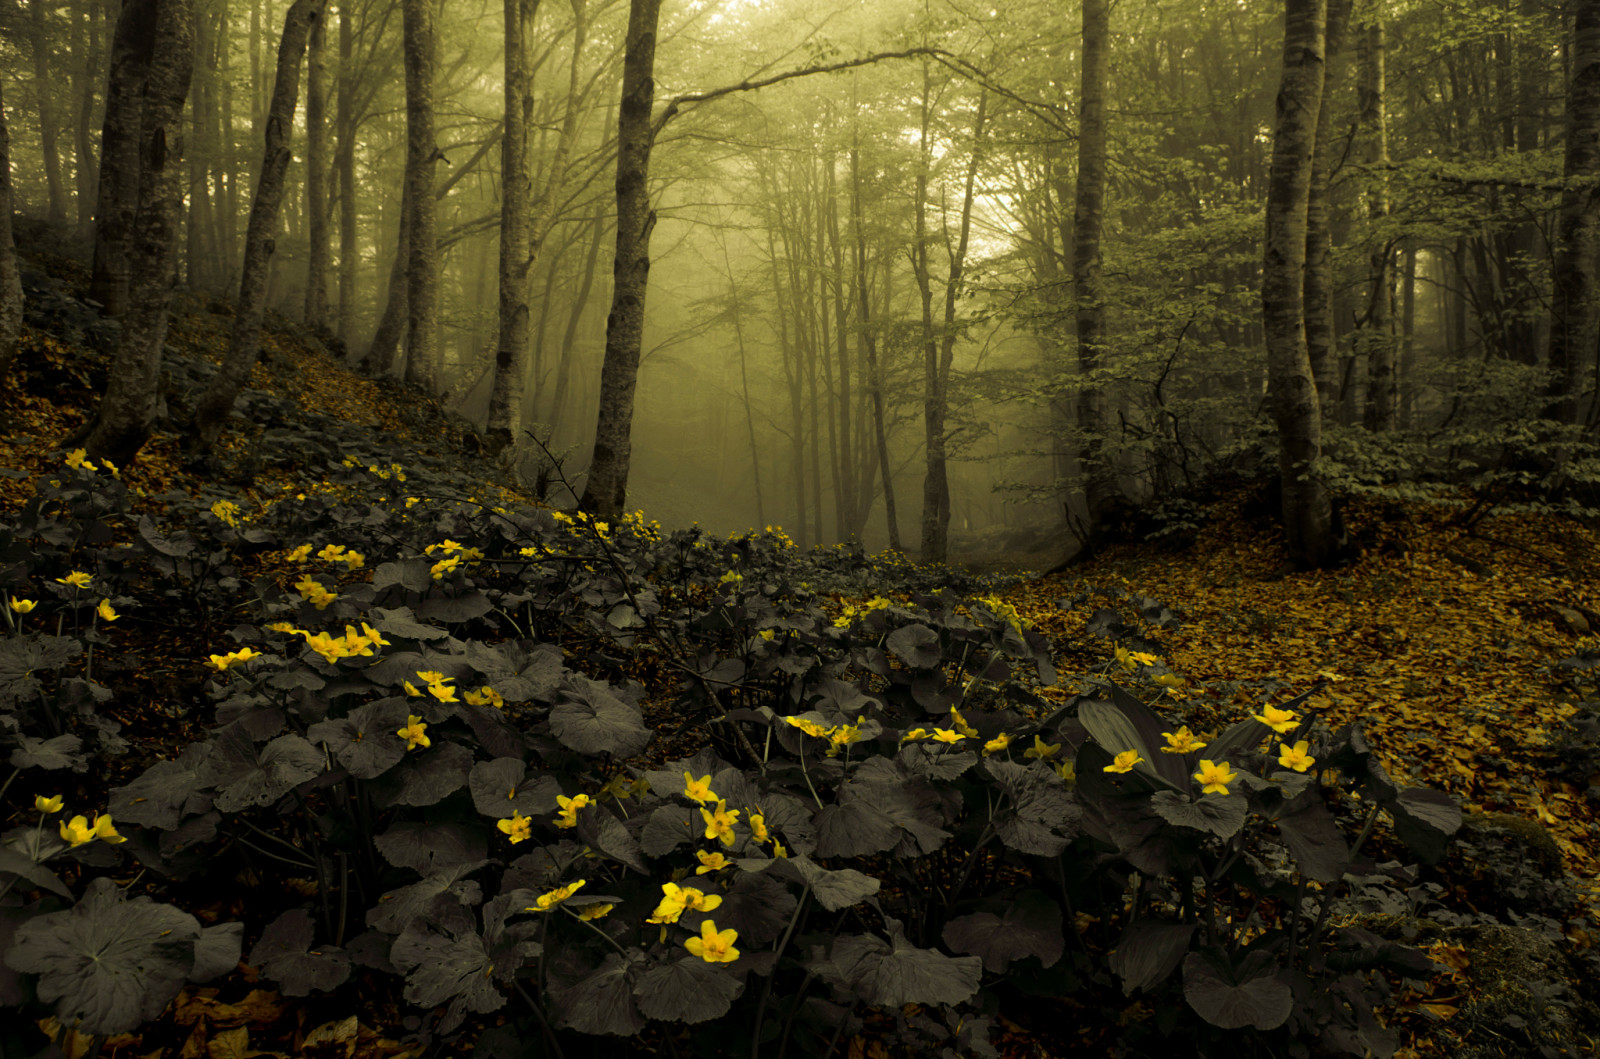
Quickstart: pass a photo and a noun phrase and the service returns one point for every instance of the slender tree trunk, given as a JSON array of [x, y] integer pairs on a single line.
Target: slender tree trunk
[[385, 344], [244, 345], [1307, 510], [1575, 314], [422, 265], [226, 174], [511, 352], [1408, 340], [45, 92], [316, 304], [197, 222], [1320, 344], [11, 303], [605, 492], [869, 344], [569, 340], [1089, 311], [118, 190], [128, 409], [345, 162], [86, 77], [744, 390], [1383, 405], [848, 502]]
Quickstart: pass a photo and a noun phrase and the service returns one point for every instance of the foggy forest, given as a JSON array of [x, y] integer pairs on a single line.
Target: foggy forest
[[859, 527]]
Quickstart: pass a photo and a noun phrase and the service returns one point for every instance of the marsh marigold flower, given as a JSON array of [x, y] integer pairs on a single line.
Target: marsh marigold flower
[[595, 911], [1296, 757], [47, 805], [719, 823], [23, 606], [76, 579], [568, 816], [710, 862], [105, 611], [104, 831], [713, 945], [1214, 777], [997, 744], [415, 733], [1280, 721], [546, 901], [1042, 750], [698, 790], [1180, 742], [77, 831], [516, 828], [1124, 762]]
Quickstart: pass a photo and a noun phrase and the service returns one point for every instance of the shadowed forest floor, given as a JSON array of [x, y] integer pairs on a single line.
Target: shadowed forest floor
[[1461, 648]]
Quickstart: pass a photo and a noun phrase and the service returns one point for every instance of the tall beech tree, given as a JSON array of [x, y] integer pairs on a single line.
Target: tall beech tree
[[316, 182], [1307, 508], [421, 216], [11, 303], [244, 343], [1089, 308], [1575, 314], [117, 190], [605, 491], [128, 409]]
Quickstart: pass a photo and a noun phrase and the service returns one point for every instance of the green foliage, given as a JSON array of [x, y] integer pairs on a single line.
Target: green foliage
[[434, 706]]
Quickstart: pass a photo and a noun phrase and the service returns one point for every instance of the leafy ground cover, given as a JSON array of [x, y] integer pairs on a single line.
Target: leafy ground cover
[[342, 748]]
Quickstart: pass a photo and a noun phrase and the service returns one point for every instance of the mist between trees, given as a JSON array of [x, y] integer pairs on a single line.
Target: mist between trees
[[965, 281]]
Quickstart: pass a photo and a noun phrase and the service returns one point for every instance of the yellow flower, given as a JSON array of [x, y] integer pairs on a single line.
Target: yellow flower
[[1170, 680], [1180, 742], [354, 560], [243, 654], [105, 611], [516, 828], [328, 647], [914, 734], [1144, 658], [698, 790], [1280, 721], [299, 555], [484, 696], [1214, 778], [433, 676], [710, 862], [447, 546], [1124, 762], [355, 644], [415, 733], [1066, 771], [767, 634], [444, 566], [411, 689], [442, 693], [777, 851], [568, 816], [330, 552], [809, 727], [1125, 657], [375, 637], [108, 465], [842, 736], [719, 824], [23, 606], [961, 724], [546, 901], [997, 744], [47, 805], [104, 831], [595, 911], [77, 579], [413, 501], [1295, 757], [314, 593], [677, 899], [758, 826], [76, 459], [713, 945], [77, 831], [1042, 750], [945, 735]]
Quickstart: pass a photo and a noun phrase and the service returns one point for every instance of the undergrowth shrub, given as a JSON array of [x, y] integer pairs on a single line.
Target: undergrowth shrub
[[428, 712]]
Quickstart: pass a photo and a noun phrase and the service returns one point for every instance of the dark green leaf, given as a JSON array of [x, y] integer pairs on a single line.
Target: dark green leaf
[[1425, 819], [1148, 952], [1030, 925], [593, 720], [285, 955], [112, 963], [216, 952], [668, 827], [362, 742], [61, 752], [915, 645], [433, 846], [1263, 1002], [428, 775], [243, 778], [165, 792], [602, 1001], [1220, 814], [425, 899], [687, 990], [501, 787], [757, 906], [1313, 838], [833, 890], [895, 973], [451, 967]]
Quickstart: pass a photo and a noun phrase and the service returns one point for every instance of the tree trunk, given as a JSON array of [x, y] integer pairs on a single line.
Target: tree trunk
[[10, 277], [1320, 332], [422, 264], [1089, 310], [316, 304], [47, 116], [118, 192], [385, 345], [244, 344], [569, 340], [1307, 510], [345, 162], [511, 351], [1575, 316], [605, 492], [86, 78], [869, 344], [128, 409], [1383, 405]]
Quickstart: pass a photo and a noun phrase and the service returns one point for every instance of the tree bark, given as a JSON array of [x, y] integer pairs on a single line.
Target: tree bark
[[244, 344], [511, 351], [86, 79], [1383, 405], [1089, 309], [316, 302], [47, 112], [11, 303], [1320, 343], [128, 409], [345, 162], [1575, 315], [869, 344], [385, 345], [1307, 509], [117, 198], [605, 492], [422, 264]]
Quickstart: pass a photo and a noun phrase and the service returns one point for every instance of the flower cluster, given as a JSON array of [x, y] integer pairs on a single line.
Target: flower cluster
[[1003, 610], [79, 830], [570, 807], [438, 685], [314, 593], [484, 696], [243, 654], [851, 612], [838, 736]]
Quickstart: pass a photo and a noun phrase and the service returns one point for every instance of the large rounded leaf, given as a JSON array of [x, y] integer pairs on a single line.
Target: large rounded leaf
[[1232, 1002], [1028, 926], [687, 990], [594, 721], [110, 962], [894, 973]]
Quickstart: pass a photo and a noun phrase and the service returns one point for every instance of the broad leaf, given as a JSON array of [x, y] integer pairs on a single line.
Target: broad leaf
[[1220, 814], [243, 778], [428, 775], [501, 788], [915, 645], [438, 893], [165, 792], [1425, 819], [601, 1002], [452, 966], [285, 955], [669, 826], [63, 751], [895, 972], [434, 846], [1314, 839], [110, 962], [1029, 925], [687, 990], [756, 905], [1148, 952], [362, 741], [593, 720], [1263, 1001], [833, 890]]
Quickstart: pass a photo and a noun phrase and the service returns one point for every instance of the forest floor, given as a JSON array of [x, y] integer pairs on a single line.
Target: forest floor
[[1447, 641]]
